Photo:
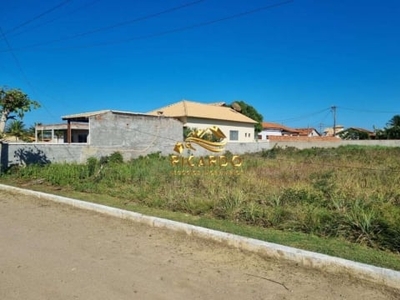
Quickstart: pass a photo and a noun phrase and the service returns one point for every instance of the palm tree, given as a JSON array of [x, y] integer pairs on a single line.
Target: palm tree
[[16, 128], [393, 129], [395, 121], [31, 132]]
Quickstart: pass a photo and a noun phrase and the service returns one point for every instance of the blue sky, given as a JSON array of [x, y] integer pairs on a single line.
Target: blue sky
[[291, 60]]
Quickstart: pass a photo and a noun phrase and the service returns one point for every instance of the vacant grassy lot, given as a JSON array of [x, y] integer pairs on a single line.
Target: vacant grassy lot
[[341, 201]]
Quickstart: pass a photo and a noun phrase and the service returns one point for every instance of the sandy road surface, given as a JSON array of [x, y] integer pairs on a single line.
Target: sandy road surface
[[53, 251]]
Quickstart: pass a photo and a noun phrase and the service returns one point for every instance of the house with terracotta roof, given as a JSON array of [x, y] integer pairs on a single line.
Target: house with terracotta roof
[[310, 132], [275, 129], [194, 115]]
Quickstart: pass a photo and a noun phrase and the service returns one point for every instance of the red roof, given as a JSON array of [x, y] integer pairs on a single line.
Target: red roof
[[306, 131], [269, 125]]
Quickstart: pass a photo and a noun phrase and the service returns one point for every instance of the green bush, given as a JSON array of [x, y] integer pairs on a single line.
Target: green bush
[[116, 158], [91, 165]]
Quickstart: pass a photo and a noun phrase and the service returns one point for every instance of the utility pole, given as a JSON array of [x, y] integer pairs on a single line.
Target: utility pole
[[334, 119]]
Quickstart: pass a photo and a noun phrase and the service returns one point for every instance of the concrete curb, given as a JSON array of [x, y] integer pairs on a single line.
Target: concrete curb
[[387, 277]]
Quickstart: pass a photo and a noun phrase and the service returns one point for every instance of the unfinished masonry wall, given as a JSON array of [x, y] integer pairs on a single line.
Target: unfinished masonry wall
[[135, 133]]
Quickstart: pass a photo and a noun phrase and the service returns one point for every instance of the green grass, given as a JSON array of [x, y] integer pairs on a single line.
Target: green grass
[[343, 202]]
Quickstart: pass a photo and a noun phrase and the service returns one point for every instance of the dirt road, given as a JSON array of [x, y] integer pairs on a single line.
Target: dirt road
[[53, 251]]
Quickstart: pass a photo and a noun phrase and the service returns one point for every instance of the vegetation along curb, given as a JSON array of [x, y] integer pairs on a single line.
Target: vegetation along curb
[[304, 258]]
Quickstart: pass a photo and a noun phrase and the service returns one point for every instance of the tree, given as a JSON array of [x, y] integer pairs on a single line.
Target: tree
[[252, 113], [14, 101], [354, 134], [392, 131], [30, 133], [16, 128], [394, 122]]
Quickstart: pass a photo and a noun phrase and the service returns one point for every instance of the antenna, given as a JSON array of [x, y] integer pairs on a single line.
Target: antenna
[[236, 106]]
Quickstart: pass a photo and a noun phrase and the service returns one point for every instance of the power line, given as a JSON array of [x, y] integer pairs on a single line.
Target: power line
[[14, 56], [125, 23], [369, 111], [180, 29], [20, 68], [120, 24], [37, 17], [57, 18], [321, 124], [304, 116]]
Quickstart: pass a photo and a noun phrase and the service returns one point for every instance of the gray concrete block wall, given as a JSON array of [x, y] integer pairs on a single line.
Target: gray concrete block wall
[[139, 132]]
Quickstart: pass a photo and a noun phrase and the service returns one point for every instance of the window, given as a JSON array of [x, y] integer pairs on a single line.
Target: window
[[233, 135], [82, 138]]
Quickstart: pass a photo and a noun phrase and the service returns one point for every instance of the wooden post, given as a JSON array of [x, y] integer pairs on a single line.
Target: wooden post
[[69, 132]]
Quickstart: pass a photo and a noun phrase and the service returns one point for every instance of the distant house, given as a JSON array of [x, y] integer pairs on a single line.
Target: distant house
[[330, 131], [356, 133], [275, 129], [236, 126], [310, 132]]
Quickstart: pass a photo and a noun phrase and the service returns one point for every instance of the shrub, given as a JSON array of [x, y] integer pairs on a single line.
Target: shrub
[[91, 165], [116, 158]]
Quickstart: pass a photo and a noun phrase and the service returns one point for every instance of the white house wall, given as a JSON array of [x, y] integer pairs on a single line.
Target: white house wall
[[268, 132], [314, 133], [245, 130]]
